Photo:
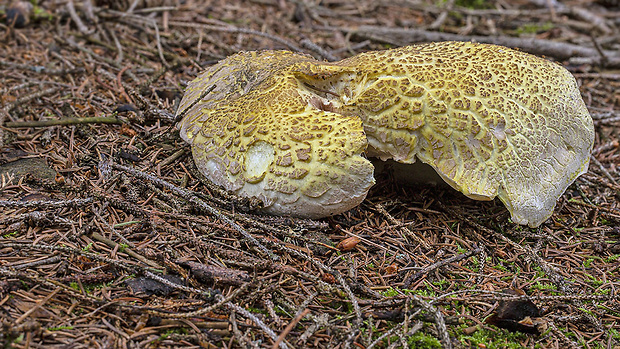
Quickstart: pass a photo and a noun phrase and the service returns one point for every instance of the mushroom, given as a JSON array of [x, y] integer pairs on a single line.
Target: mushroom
[[292, 131], [260, 132]]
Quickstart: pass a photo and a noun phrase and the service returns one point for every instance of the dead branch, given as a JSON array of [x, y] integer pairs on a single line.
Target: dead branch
[[65, 122], [558, 50]]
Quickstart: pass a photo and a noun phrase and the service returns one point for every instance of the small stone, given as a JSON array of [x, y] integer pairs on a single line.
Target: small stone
[[18, 14]]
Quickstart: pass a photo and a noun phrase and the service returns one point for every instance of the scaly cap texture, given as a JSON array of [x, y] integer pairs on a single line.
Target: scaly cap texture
[[490, 120], [260, 133]]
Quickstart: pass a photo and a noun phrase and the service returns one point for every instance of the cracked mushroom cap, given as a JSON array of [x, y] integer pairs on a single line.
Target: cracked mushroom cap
[[490, 120], [259, 132]]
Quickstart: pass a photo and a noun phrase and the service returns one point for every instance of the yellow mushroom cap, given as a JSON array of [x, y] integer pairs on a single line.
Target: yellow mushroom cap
[[260, 133], [490, 120]]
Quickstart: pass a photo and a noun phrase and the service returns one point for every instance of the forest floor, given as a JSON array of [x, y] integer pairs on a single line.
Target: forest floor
[[109, 238]]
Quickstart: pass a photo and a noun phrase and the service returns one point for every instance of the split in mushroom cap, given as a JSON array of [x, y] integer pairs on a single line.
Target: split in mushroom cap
[[490, 120]]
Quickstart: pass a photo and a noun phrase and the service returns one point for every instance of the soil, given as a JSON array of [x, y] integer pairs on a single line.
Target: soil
[[109, 237]]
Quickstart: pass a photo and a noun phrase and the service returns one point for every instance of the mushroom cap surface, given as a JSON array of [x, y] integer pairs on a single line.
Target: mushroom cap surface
[[490, 120], [259, 132]]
